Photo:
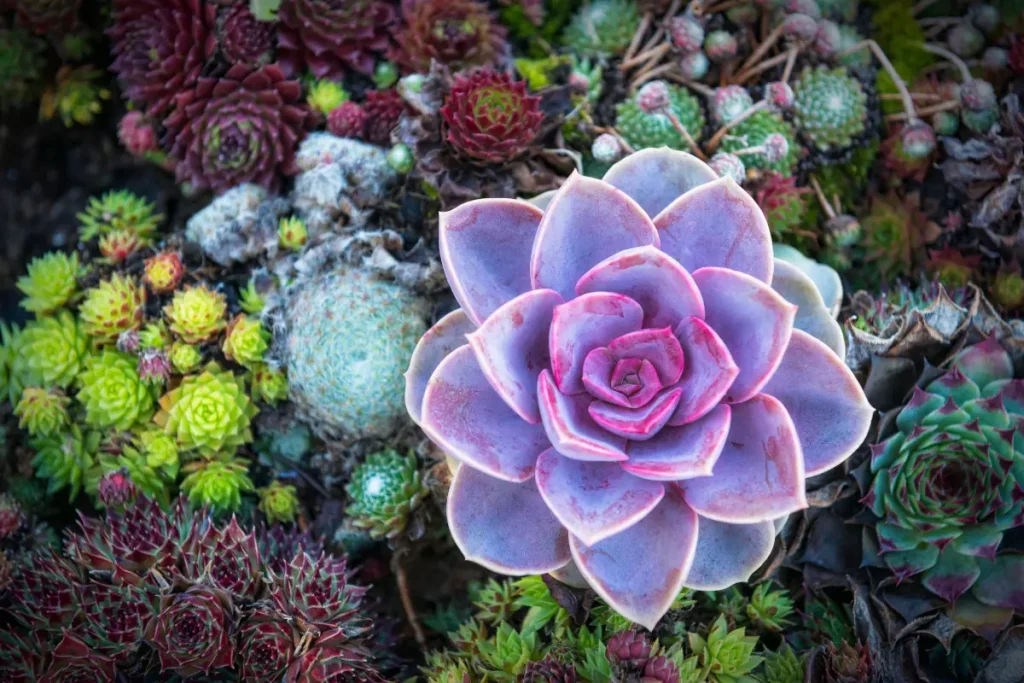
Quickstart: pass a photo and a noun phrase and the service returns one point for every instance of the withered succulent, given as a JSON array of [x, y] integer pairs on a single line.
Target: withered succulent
[[456, 33], [331, 36], [160, 48], [240, 128], [489, 117]]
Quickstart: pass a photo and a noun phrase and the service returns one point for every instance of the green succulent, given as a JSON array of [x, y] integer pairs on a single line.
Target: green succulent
[[542, 608], [752, 131], [113, 395], [209, 413], [830, 107], [246, 341], [7, 337], [769, 610], [267, 383], [117, 211], [196, 314], [848, 37], [783, 666], [161, 452], [602, 28], [22, 63], [112, 307], [250, 299], [184, 357], [946, 483], [495, 601], [218, 484], [51, 282], [384, 490], [49, 352], [279, 503], [324, 96], [64, 459], [642, 130], [507, 653], [155, 336], [75, 96], [725, 655], [43, 412], [152, 481]]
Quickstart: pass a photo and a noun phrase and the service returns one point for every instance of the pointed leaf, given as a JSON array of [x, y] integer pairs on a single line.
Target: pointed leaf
[[952, 575], [681, 452], [447, 335], [656, 176], [985, 362], [467, 419], [594, 500], [728, 553], [708, 370], [571, 429]]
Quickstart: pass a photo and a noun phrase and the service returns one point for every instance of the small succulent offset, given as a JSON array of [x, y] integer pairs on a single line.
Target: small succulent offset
[[51, 282], [617, 386], [384, 491], [830, 107], [947, 484]]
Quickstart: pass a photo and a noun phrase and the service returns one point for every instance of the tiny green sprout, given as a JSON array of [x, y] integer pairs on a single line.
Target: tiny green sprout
[[400, 158], [385, 75], [292, 233], [325, 96]]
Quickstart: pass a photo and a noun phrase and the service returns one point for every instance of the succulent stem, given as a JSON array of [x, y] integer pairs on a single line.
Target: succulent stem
[[763, 48], [686, 136], [908, 101], [746, 75], [948, 105], [822, 199], [965, 73], [692, 85], [716, 139], [645, 23], [410, 610]]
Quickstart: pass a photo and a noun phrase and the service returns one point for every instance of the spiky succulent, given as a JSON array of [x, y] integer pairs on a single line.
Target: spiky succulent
[[41, 412], [317, 590], [643, 127], [245, 341], [163, 272], [243, 38], [725, 655], [12, 517], [291, 233], [753, 131], [192, 633], [894, 231], [76, 96], [118, 211], [155, 336], [279, 503], [48, 352], [384, 491], [218, 484], [111, 307], [51, 282], [830, 107], [602, 28], [783, 666], [456, 33], [64, 458], [769, 610], [209, 412], [184, 358], [116, 490], [383, 109], [161, 48], [489, 117], [324, 96], [112, 393], [268, 383], [150, 476], [946, 484], [251, 298], [196, 314], [329, 37]]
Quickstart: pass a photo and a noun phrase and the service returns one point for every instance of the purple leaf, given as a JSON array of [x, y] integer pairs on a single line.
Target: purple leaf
[[952, 575], [728, 553], [447, 335], [503, 526], [594, 500], [656, 176], [659, 346], [812, 315], [637, 424], [572, 431], [627, 383], [467, 419], [1001, 583], [985, 362], [681, 452], [512, 348], [708, 373]]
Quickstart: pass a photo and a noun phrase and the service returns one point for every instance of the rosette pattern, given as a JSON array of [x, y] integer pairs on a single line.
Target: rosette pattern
[[624, 386]]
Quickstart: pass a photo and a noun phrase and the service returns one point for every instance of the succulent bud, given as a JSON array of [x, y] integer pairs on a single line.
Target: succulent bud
[[725, 164], [606, 148]]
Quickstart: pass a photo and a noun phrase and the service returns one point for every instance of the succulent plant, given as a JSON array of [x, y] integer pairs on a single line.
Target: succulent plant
[[209, 412], [686, 33], [894, 232], [291, 233], [952, 267], [244, 39], [137, 133], [753, 132], [115, 617], [268, 383], [218, 484], [192, 632], [240, 128], [12, 517], [728, 166], [142, 474], [784, 205], [456, 33], [317, 590], [73, 660], [843, 663], [41, 412], [160, 48], [830, 107], [324, 96], [48, 352], [75, 95], [329, 37], [783, 666], [196, 314], [111, 307], [370, 328], [720, 46], [251, 299], [51, 282], [118, 211], [116, 490], [603, 28], [64, 458], [112, 393], [348, 120], [643, 129], [184, 358], [725, 655], [245, 341], [279, 503], [729, 102], [601, 446], [154, 336], [944, 482], [384, 490], [163, 272], [769, 610], [383, 110], [489, 117]]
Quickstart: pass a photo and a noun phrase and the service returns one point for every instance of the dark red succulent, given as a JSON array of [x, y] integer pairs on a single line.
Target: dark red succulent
[[229, 558], [317, 591], [265, 645], [48, 16], [332, 659], [383, 109], [42, 591], [160, 48], [194, 631], [243, 38], [11, 516], [74, 662], [279, 545], [114, 618], [331, 36], [22, 653], [629, 647], [661, 670], [457, 33], [347, 120], [140, 539], [489, 117], [548, 670], [116, 491], [242, 127]]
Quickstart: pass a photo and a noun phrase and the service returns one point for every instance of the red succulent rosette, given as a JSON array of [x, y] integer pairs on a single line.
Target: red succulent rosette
[[383, 109], [160, 48], [193, 632], [240, 128], [228, 557], [265, 645], [45, 594], [331, 36], [243, 38], [332, 658], [113, 618], [74, 662], [457, 33], [489, 117]]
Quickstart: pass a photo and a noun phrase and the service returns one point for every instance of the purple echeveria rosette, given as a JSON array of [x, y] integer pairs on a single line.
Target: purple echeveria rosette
[[629, 396]]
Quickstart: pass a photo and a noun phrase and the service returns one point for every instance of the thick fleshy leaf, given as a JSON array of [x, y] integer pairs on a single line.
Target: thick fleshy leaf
[[907, 563], [640, 571], [717, 225], [728, 553], [812, 316], [952, 575], [587, 221], [985, 362], [653, 279], [485, 246], [831, 413], [753, 320], [594, 500], [656, 176], [542, 200], [825, 278], [584, 324], [760, 474], [447, 335], [512, 348], [628, 383], [570, 575], [708, 372], [985, 620], [659, 346], [467, 419], [571, 430], [1001, 583], [681, 452], [637, 424], [504, 526]]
